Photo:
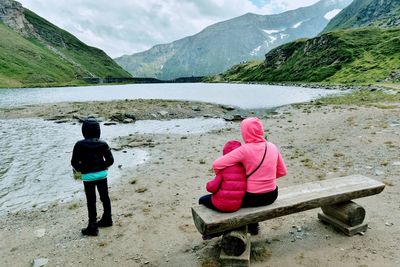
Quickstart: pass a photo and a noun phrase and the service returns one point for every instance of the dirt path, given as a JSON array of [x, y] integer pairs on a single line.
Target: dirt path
[[151, 205]]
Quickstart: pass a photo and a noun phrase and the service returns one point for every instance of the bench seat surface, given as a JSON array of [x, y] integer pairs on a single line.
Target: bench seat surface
[[290, 200]]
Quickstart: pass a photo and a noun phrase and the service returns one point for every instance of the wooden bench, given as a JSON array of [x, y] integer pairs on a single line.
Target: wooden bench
[[333, 195]]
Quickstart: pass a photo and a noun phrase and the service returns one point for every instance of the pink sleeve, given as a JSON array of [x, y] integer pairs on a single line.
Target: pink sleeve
[[280, 167], [230, 159], [213, 185]]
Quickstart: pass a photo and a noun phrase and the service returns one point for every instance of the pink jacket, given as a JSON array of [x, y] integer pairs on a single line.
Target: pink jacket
[[229, 185], [250, 155]]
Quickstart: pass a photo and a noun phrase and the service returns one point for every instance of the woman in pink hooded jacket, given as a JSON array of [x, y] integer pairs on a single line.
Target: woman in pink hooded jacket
[[263, 163], [228, 187]]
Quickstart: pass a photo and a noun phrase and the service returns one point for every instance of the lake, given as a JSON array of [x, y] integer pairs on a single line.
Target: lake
[[240, 95]]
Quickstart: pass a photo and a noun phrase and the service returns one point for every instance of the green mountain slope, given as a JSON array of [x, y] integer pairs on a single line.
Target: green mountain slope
[[363, 13], [37, 53], [360, 56]]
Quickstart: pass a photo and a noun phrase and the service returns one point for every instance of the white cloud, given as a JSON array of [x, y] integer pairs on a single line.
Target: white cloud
[[128, 26]]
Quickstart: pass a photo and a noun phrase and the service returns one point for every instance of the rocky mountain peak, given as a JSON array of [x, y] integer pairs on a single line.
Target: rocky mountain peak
[[12, 15]]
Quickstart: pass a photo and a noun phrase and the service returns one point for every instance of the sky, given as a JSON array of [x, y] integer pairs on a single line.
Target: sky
[[129, 26]]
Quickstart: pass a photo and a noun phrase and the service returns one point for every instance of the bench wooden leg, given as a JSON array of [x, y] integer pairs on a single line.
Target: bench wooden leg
[[347, 217], [235, 248]]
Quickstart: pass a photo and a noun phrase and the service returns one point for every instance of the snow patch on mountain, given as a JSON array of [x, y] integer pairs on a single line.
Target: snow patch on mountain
[[331, 14], [273, 39], [273, 31], [255, 51], [298, 24]]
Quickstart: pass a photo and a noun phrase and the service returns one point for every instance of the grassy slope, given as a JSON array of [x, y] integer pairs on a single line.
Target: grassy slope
[[29, 62], [23, 63], [359, 56]]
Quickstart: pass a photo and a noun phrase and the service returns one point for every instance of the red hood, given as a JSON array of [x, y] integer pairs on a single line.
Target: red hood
[[252, 130], [231, 145]]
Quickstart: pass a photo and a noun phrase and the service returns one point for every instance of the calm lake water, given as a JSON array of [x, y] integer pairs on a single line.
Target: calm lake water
[[241, 95], [35, 156]]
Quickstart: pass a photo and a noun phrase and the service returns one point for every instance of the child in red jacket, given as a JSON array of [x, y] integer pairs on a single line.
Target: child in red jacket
[[228, 187]]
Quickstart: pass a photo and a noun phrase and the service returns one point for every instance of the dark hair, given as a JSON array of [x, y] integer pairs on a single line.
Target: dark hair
[[91, 128]]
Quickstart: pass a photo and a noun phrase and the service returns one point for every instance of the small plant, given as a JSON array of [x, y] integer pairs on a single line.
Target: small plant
[[73, 206], [103, 244], [141, 190]]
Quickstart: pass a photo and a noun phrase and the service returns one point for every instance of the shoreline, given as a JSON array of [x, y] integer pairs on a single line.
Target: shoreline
[[151, 204]]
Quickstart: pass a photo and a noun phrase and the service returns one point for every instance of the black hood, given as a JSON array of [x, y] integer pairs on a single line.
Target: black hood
[[91, 128]]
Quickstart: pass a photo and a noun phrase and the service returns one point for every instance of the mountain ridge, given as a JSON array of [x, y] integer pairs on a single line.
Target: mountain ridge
[[223, 44]]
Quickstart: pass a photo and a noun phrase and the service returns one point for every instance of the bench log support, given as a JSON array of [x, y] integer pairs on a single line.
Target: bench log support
[[347, 216], [235, 242], [235, 248]]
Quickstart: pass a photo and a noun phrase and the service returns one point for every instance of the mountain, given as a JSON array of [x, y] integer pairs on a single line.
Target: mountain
[[34, 52], [363, 13], [358, 56], [224, 44], [347, 52]]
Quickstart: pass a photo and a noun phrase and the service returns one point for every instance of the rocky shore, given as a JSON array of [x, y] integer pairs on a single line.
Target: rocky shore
[[125, 111], [151, 204]]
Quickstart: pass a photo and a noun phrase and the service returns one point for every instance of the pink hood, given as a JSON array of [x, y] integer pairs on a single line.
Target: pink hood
[[252, 130], [231, 145], [229, 186], [250, 155]]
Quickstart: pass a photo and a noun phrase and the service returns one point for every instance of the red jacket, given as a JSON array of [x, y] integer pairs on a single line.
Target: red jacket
[[229, 185]]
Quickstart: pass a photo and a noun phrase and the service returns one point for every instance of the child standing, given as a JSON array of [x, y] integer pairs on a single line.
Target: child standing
[[92, 157], [228, 187]]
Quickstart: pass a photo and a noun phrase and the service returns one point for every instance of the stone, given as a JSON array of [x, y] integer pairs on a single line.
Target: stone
[[379, 172], [118, 117], [163, 112], [109, 123], [235, 117], [128, 121], [39, 262], [130, 116], [78, 118], [40, 232], [228, 108]]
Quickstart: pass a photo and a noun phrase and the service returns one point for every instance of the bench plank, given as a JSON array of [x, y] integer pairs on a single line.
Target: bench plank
[[290, 200]]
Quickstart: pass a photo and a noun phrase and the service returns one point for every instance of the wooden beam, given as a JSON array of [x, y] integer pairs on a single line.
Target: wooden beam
[[290, 200], [348, 230], [349, 212]]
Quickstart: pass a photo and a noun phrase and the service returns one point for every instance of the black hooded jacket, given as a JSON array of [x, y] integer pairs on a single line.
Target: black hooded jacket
[[91, 154]]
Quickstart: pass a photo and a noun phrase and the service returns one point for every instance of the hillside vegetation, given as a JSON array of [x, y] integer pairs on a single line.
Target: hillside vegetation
[[48, 56], [360, 56]]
